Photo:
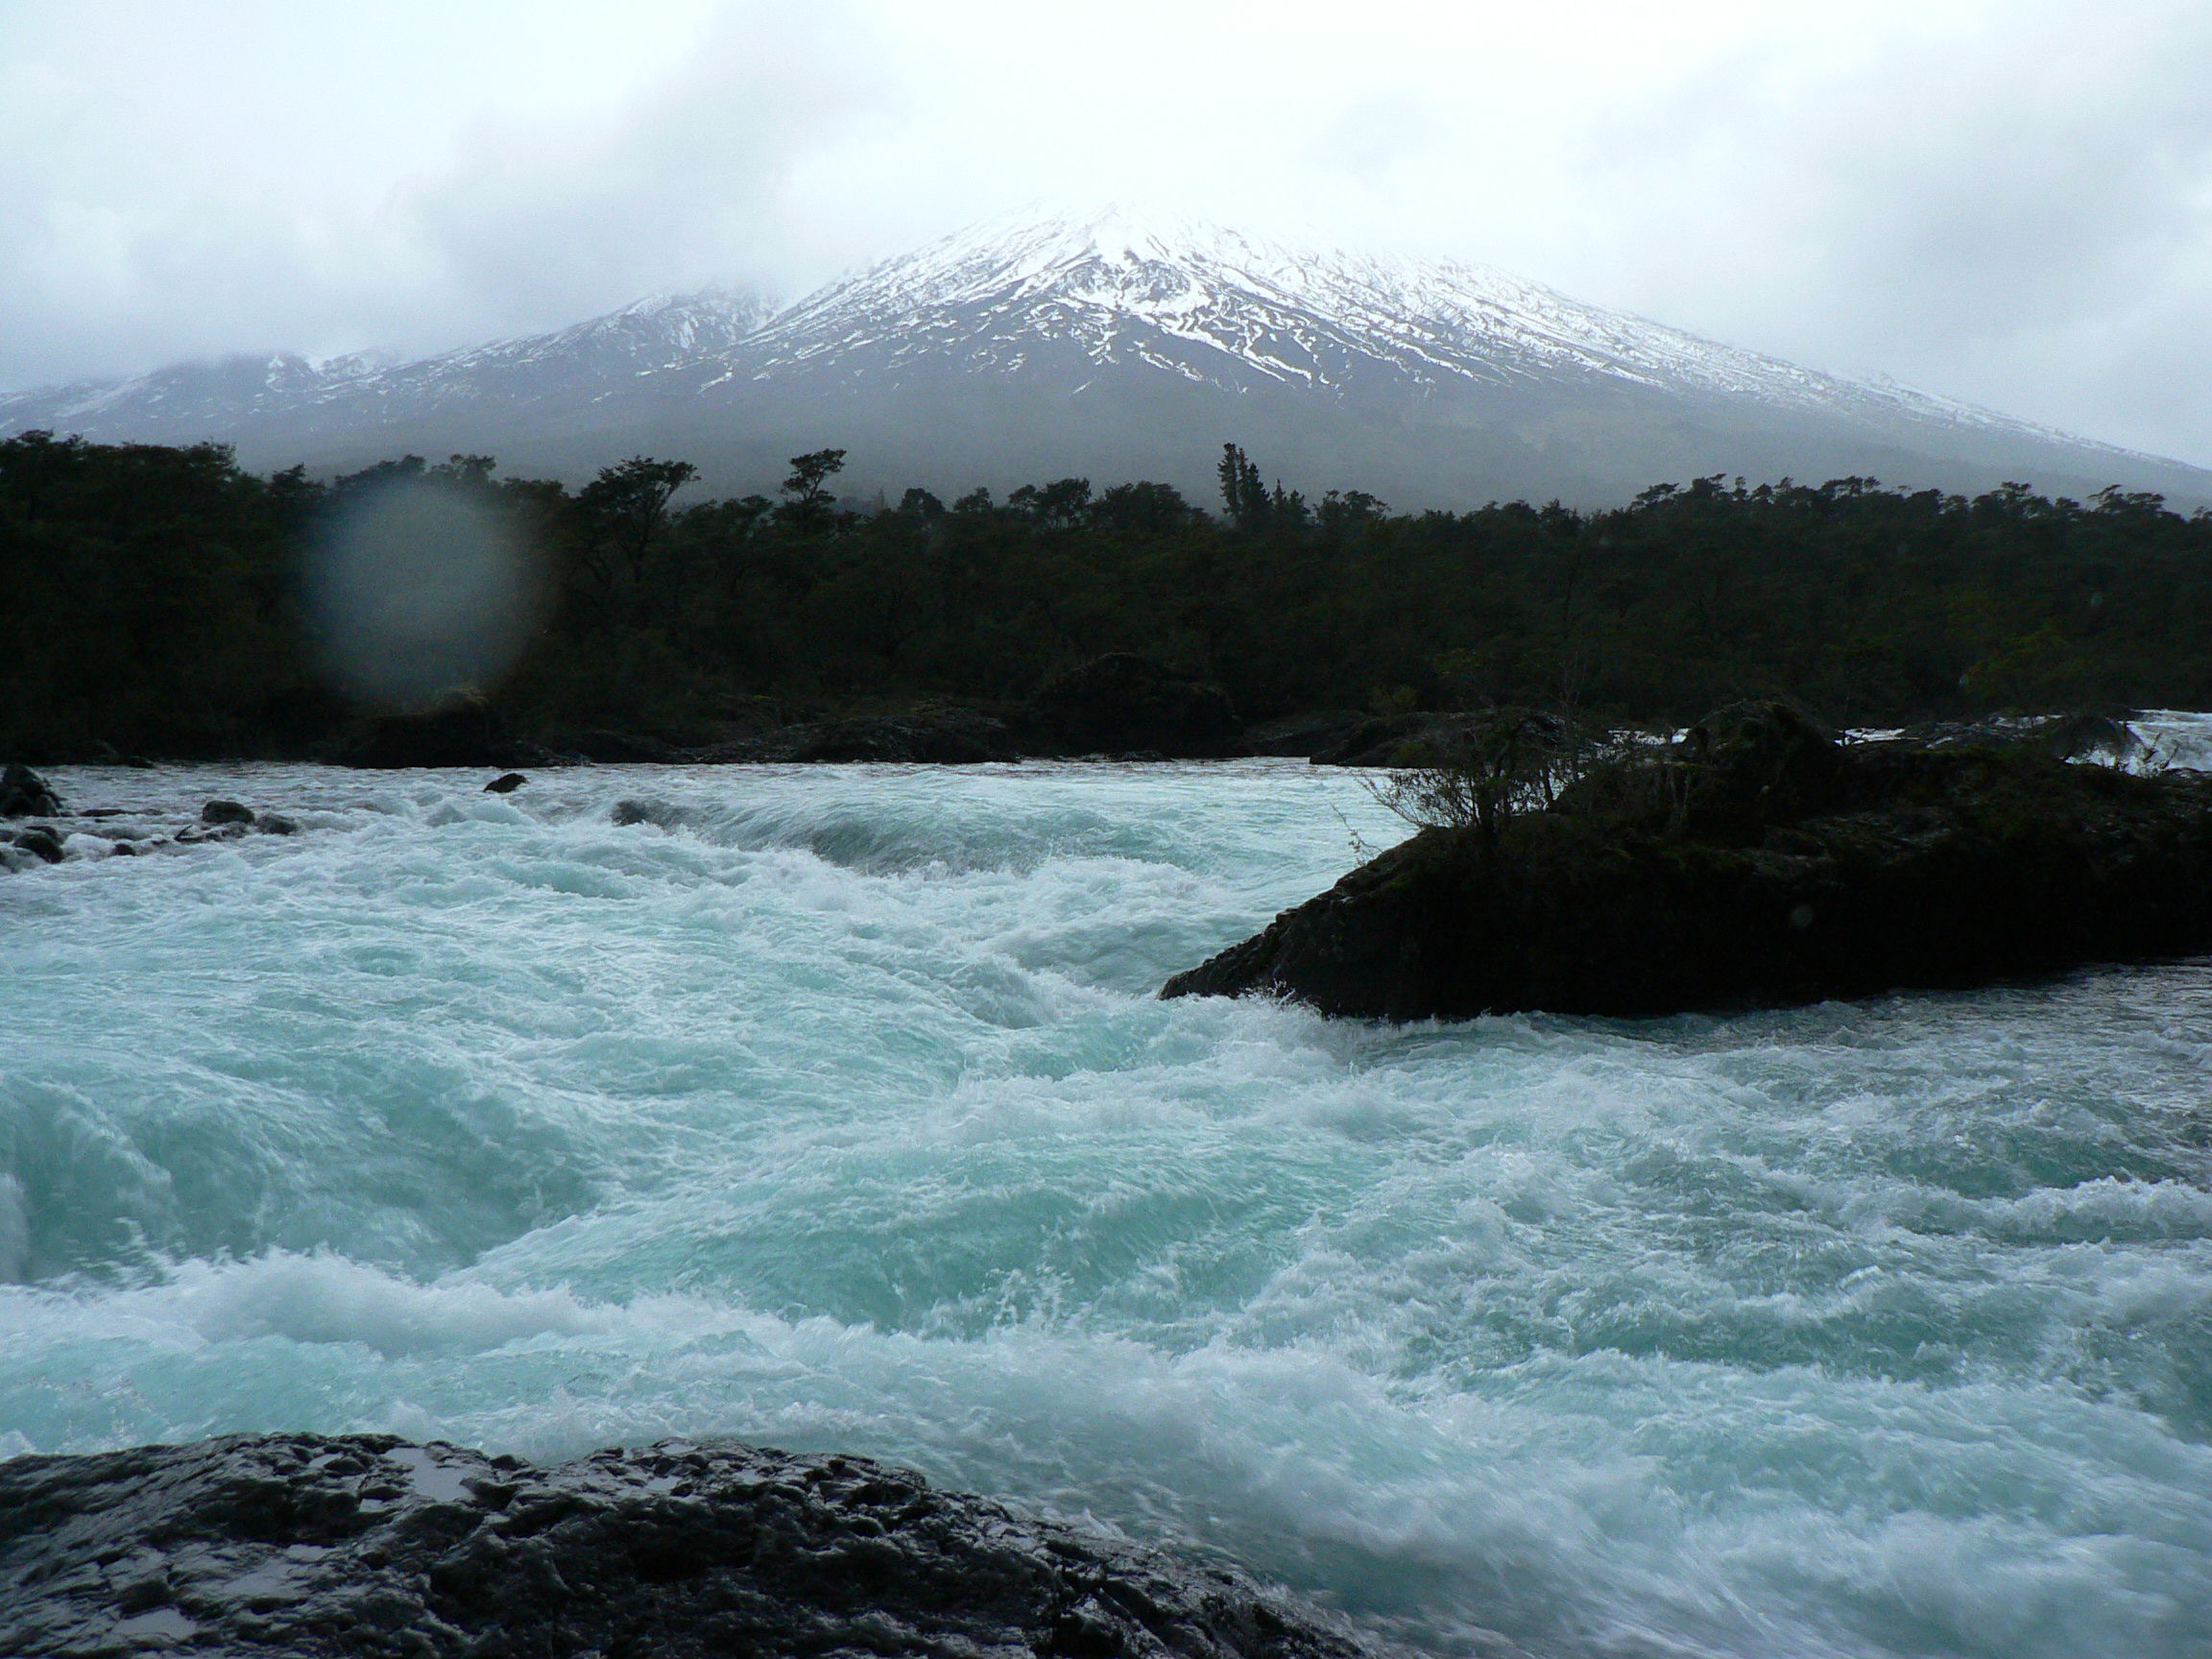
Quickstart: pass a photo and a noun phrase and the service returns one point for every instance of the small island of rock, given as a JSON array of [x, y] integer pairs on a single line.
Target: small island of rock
[[1757, 861]]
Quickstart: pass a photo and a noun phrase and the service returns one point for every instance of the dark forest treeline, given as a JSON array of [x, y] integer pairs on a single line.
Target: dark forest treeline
[[148, 599]]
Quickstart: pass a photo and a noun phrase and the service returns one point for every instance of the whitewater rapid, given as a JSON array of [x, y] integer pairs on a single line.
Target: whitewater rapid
[[831, 1108]]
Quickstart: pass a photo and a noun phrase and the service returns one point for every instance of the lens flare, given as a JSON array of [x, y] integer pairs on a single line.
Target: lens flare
[[420, 590]]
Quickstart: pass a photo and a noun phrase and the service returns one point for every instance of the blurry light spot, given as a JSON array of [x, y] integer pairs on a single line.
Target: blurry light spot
[[420, 590]]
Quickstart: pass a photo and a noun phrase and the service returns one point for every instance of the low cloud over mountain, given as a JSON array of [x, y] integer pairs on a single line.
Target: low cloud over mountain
[[1042, 347]]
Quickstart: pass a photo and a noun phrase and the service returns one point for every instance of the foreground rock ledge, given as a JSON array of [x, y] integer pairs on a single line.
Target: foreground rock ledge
[[298, 1543], [1758, 863]]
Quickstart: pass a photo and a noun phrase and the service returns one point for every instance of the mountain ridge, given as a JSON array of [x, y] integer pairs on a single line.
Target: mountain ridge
[[1043, 346]]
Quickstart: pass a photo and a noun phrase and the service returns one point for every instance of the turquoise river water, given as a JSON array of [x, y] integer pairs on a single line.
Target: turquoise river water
[[831, 1107]]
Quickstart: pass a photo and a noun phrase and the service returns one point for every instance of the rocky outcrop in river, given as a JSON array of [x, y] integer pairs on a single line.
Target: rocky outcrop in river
[[1756, 862], [24, 794], [302, 1545]]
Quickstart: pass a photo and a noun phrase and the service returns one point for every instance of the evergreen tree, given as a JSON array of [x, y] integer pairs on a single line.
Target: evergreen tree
[[807, 499], [1243, 498]]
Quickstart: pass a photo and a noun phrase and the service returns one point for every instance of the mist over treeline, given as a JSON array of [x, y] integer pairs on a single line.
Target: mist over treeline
[[150, 599]]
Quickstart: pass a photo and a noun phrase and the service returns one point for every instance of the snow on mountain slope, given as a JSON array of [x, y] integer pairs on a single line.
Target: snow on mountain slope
[[214, 400], [603, 353], [1219, 307], [1451, 381]]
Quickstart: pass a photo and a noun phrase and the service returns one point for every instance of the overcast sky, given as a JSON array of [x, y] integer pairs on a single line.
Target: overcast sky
[[2009, 203]]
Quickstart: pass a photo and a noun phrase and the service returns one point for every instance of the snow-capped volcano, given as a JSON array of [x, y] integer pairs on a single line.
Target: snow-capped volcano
[[1223, 308], [1040, 346]]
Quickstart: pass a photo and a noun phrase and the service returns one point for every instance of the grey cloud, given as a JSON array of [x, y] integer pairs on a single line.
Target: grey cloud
[[2007, 202], [691, 185], [2025, 218], [128, 238]]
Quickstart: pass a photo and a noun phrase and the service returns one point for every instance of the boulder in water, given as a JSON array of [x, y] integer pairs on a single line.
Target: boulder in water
[[24, 794], [39, 840], [300, 1545], [217, 813], [506, 784], [1756, 863]]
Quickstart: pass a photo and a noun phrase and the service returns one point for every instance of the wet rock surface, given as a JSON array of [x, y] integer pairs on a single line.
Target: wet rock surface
[[1422, 739], [37, 841], [302, 1545], [124, 832], [1304, 736], [1756, 862], [24, 794]]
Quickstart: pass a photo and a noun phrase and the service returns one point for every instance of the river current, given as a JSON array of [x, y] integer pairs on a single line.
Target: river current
[[833, 1108]]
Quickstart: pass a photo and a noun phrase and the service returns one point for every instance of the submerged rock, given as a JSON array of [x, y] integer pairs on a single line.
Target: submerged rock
[[1757, 862], [302, 1545]]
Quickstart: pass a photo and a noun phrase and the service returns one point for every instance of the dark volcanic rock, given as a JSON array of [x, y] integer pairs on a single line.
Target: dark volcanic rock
[[24, 794], [1399, 741], [932, 734], [1756, 863], [298, 1545], [941, 737], [40, 841], [466, 733], [1304, 735], [619, 748], [1123, 702], [2069, 736]]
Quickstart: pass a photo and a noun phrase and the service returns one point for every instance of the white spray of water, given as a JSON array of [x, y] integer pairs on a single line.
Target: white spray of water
[[832, 1109]]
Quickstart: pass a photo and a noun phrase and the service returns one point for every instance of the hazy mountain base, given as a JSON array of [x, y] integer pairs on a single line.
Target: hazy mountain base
[[1450, 445], [1454, 446]]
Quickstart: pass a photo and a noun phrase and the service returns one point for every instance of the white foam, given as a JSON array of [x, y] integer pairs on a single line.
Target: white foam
[[833, 1108]]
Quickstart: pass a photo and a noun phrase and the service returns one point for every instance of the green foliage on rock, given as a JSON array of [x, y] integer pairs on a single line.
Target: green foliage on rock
[[1755, 862]]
